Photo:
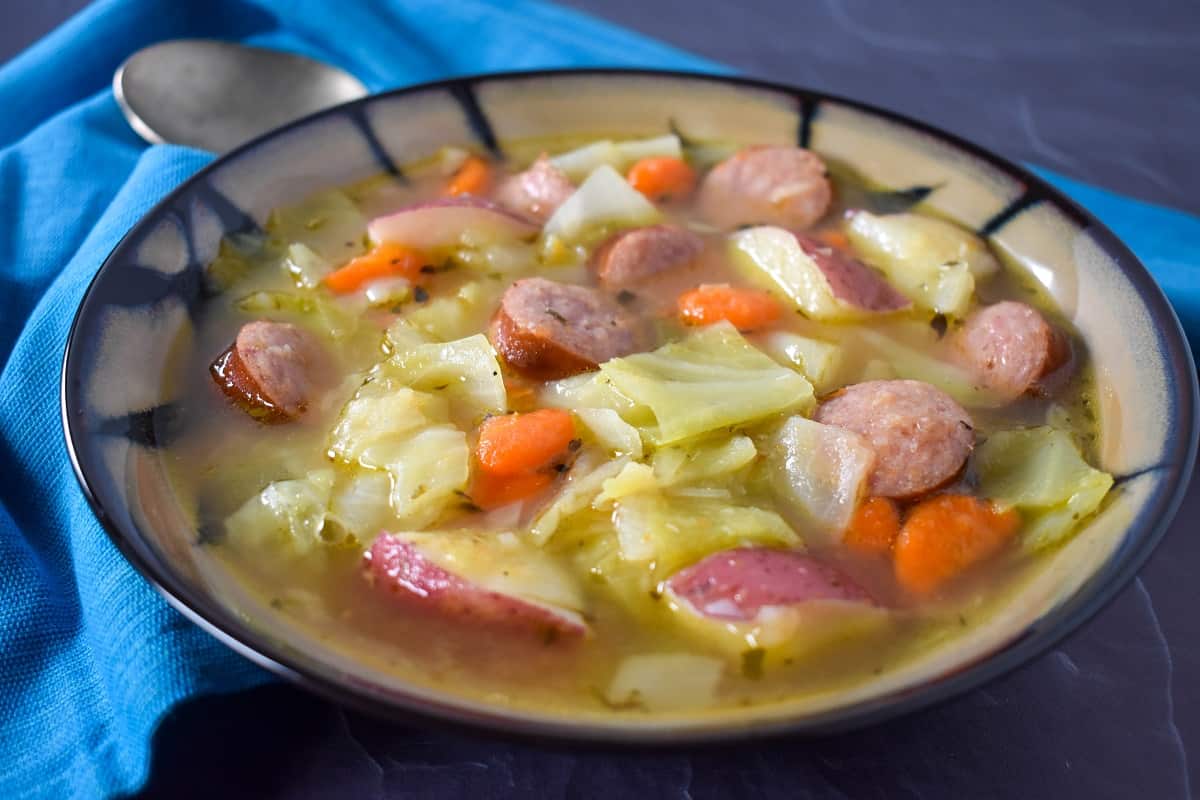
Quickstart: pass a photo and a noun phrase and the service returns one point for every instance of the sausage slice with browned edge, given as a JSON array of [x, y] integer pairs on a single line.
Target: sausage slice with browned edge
[[630, 257], [738, 584], [1011, 348], [551, 330], [537, 192], [272, 370], [398, 569], [920, 436], [852, 281], [766, 185]]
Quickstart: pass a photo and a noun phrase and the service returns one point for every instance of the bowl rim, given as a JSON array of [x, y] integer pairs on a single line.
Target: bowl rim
[[1141, 535]]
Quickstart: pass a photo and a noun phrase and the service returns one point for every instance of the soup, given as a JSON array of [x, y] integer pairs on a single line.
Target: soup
[[642, 426]]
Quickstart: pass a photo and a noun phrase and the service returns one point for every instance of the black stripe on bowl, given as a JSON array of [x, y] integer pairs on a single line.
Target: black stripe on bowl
[[1028, 199], [464, 93], [357, 114]]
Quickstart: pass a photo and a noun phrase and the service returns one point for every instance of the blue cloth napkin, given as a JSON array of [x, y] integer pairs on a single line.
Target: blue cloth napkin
[[90, 657]]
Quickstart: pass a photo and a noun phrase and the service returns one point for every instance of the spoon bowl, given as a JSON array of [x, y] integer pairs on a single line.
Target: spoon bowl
[[216, 95]]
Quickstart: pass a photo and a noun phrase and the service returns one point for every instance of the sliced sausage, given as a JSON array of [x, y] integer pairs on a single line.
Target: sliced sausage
[[272, 370], [1011, 348], [766, 185], [537, 192], [738, 584], [852, 281], [550, 330], [399, 569], [920, 436], [630, 257]]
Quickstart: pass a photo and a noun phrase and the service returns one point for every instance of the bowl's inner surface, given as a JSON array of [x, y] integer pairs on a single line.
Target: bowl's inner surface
[[128, 359]]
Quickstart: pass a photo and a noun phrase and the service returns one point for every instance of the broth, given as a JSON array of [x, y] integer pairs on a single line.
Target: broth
[[222, 458]]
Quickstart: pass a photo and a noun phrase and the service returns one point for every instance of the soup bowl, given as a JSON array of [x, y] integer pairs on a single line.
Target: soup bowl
[[117, 395]]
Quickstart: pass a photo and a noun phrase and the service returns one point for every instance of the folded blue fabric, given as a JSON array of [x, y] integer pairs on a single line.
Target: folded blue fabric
[[90, 657]]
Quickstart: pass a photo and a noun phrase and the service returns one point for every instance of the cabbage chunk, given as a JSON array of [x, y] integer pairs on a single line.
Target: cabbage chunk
[[712, 379], [577, 164], [907, 361], [447, 318], [772, 258], [501, 562], [323, 223], [665, 682], [584, 484], [602, 202], [1040, 471], [934, 262], [816, 360], [607, 429], [287, 517], [465, 371], [679, 464], [821, 471], [403, 432], [674, 532]]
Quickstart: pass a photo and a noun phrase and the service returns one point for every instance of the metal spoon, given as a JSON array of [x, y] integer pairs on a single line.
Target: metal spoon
[[216, 95]]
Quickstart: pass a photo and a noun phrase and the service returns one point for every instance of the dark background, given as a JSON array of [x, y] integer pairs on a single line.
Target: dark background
[[1106, 91]]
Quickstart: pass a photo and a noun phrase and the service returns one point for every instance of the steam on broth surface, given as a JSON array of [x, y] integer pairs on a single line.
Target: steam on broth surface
[[642, 426]]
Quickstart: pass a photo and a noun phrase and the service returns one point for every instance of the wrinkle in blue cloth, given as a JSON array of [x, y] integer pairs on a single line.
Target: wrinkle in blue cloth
[[90, 657]]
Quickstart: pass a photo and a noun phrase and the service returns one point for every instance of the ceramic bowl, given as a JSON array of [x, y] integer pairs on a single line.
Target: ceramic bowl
[[145, 294]]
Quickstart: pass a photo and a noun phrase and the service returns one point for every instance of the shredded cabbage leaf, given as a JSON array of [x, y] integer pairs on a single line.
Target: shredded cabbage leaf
[[712, 379], [1041, 472], [821, 471], [932, 261]]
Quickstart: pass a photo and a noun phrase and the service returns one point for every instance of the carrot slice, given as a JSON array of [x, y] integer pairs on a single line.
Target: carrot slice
[[835, 239], [473, 177], [489, 490], [747, 309], [662, 178], [516, 444], [945, 535], [874, 527], [385, 260]]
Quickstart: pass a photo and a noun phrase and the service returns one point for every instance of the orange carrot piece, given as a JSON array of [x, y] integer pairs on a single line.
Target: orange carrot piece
[[473, 177], [945, 535], [835, 239], [662, 178], [489, 490], [516, 444], [874, 527], [385, 260], [747, 309]]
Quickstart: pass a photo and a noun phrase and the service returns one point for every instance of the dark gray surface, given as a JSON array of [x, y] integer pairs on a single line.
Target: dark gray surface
[[1106, 91]]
